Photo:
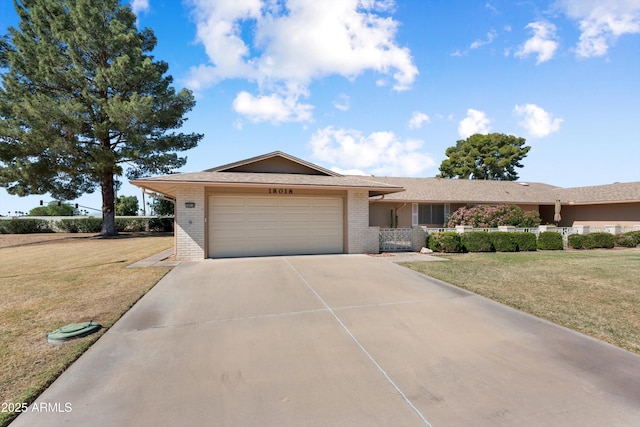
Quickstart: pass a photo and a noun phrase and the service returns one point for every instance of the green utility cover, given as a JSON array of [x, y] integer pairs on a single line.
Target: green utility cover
[[73, 330]]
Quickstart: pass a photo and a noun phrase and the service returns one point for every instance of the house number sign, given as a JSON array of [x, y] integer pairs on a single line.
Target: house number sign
[[281, 191]]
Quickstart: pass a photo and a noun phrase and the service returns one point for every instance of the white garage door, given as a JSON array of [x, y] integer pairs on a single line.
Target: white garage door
[[258, 226]]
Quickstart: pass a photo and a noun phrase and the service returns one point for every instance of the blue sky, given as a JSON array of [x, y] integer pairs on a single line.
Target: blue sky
[[383, 87]]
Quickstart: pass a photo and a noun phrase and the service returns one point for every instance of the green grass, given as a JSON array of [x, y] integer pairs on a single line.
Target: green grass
[[48, 284], [593, 292]]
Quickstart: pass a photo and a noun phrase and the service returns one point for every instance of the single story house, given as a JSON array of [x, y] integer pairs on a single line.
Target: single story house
[[274, 204], [277, 204], [429, 201]]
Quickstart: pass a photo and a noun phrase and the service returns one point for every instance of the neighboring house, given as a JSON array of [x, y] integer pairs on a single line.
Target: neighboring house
[[277, 204], [429, 201], [596, 206]]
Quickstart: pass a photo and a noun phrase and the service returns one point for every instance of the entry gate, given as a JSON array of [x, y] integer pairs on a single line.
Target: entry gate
[[395, 239]]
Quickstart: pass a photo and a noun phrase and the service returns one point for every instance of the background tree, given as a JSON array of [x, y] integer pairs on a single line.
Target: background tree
[[127, 206], [494, 157], [162, 207], [81, 98], [54, 208]]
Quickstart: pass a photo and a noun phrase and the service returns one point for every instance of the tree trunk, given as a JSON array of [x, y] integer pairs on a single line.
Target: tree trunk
[[108, 207]]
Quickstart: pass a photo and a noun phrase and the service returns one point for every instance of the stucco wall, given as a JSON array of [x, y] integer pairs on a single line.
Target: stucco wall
[[626, 214], [380, 214], [190, 223]]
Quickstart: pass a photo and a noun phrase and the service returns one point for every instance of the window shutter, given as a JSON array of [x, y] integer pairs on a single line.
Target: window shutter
[[414, 214]]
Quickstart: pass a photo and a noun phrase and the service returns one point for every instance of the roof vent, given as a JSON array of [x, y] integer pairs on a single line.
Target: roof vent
[[524, 184]]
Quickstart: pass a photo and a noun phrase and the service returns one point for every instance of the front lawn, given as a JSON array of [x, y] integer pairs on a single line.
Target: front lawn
[[594, 292], [48, 284]]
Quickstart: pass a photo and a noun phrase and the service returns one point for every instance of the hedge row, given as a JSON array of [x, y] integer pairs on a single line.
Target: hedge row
[[592, 241], [25, 226], [481, 241], [500, 241], [628, 240], [82, 225], [550, 241]]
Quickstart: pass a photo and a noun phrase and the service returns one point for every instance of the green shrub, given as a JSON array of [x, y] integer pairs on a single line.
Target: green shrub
[[628, 240], [525, 241], [503, 241], [132, 224], [592, 241], [477, 241], [80, 225], [601, 240], [161, 224], [635, 235], [446, 241], [550, 241], [576, 241], [25, 226]]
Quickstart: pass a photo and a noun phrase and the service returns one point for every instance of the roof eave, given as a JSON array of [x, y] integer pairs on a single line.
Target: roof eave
[[162, 186]]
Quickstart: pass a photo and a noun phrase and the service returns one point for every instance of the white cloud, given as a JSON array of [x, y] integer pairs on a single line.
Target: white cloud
[[348, 171], [380, 153], [342, 103], [475, 122], [272, 108], [491, 35], [536, 121], [542, 43], [292, 42], [491, 7], [417, 119], [601, 23], [138, 6]]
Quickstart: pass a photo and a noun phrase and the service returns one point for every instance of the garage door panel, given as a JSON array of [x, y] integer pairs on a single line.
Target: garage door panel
[[254, 225]]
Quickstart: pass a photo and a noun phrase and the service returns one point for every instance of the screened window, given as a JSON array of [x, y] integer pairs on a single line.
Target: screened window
[[430, 214]]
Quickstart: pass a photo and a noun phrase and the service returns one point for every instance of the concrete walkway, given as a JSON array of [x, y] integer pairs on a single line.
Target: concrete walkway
[[344, 340]]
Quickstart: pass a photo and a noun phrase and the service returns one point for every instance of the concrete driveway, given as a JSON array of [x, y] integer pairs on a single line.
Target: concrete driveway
[[344, 340]]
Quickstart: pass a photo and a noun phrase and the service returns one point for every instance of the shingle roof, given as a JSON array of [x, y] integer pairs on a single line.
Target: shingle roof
[[167, 184], [618, 192], [470, 191], [415, 189]]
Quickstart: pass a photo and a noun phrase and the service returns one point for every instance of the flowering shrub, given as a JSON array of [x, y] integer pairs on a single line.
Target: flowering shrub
[[484, 216]]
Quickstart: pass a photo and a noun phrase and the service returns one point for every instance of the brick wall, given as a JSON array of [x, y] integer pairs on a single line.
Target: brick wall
[[360, 237], [190, 225]]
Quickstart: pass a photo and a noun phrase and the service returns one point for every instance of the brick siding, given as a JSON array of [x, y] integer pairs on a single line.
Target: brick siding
[[360, 237], [190, 224]]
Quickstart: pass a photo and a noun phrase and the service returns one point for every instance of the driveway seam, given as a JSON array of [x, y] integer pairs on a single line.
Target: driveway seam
[[355, 340], [283, 314]]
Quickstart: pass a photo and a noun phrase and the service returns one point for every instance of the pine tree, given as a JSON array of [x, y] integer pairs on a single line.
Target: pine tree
[[82, 96], [489, 157]]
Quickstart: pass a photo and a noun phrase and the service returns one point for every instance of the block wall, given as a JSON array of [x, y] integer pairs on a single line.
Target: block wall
[[190, 224], [360, 238]]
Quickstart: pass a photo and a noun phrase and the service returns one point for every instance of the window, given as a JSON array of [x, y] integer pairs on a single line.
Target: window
[[431, 214]]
